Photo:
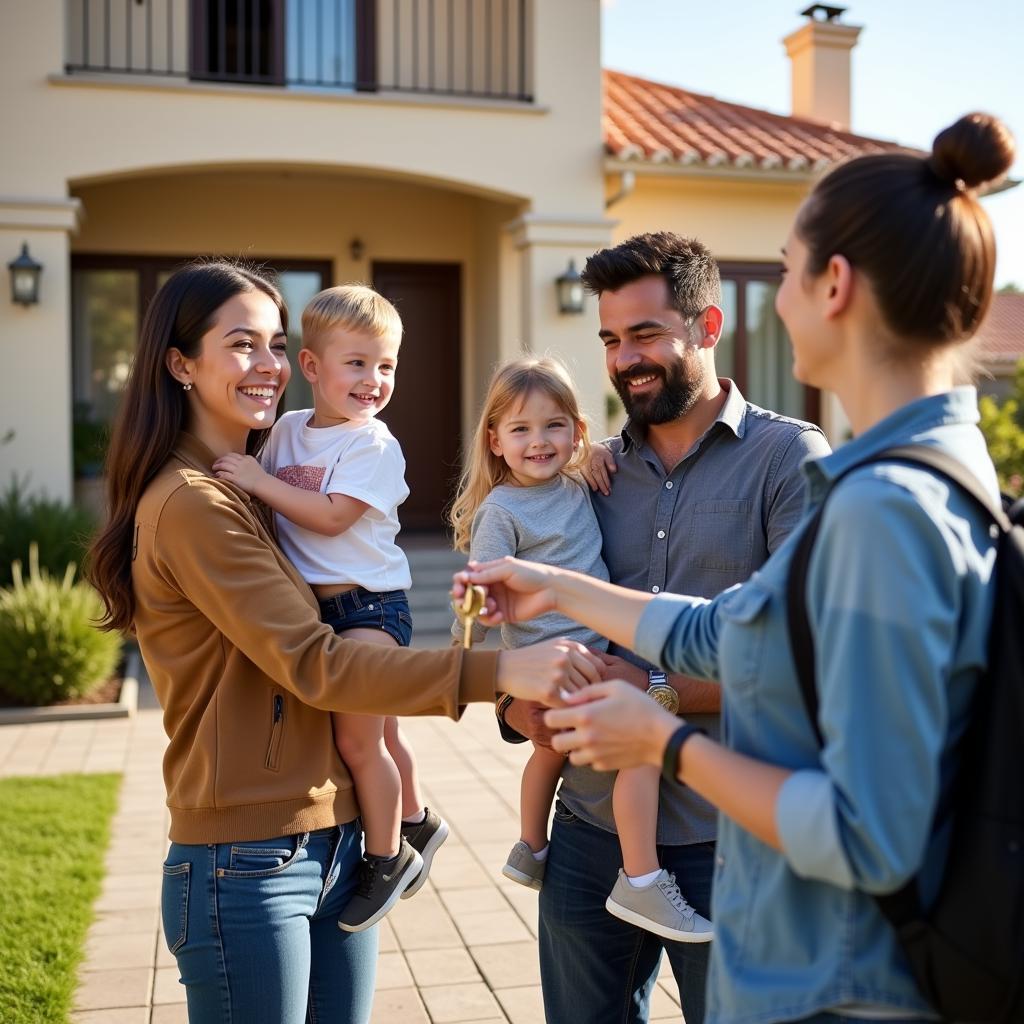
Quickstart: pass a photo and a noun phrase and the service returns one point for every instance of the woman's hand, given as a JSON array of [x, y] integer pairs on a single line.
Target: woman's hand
[[241, 470], [516, 591], [598, 470], [611, 726], [548, 672]]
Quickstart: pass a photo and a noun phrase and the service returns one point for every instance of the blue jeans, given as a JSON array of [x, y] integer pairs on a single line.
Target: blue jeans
[[594, 967], [254, 928], [365, 609]]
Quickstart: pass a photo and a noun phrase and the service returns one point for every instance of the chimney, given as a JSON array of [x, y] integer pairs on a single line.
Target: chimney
[[820, 52]]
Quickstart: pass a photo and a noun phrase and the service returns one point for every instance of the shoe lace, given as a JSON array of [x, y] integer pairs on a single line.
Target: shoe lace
[[673, 894], [367, 878]]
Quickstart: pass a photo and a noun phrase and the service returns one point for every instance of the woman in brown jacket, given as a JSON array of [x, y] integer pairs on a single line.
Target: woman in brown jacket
[[264, 837]]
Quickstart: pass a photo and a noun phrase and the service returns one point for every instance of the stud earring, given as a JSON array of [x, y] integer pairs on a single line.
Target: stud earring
[[187, 387]]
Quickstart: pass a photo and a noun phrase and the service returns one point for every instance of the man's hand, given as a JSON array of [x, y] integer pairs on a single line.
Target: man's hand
[[599, 469], [618, 668], [527, 718], [544, 672], [241, 470]]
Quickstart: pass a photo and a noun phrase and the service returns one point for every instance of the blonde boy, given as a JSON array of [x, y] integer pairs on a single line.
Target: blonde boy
[[335, 476]]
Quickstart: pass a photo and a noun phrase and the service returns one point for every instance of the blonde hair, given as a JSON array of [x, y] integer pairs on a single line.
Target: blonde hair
[[482, 469], [351, 307]]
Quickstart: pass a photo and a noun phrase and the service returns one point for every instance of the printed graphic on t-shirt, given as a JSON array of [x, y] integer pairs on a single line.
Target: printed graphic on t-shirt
[[307, 478]]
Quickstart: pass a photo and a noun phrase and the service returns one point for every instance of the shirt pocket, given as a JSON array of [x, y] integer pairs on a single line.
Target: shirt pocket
[[745, 615], [723, 535]]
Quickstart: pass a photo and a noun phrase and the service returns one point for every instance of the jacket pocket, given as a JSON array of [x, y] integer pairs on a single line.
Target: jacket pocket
[[174, 905], [273, 761], [743, 635]]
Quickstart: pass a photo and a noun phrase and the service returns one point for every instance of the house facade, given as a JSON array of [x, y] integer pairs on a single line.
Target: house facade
[[457, 154]]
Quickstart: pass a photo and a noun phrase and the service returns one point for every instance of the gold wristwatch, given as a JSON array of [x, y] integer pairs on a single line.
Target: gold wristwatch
[[659, 690]]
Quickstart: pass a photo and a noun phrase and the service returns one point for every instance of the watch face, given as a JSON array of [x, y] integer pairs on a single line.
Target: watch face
[[665, 695]]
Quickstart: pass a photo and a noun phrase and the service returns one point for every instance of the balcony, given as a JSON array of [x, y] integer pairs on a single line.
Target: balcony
[[456, 48]]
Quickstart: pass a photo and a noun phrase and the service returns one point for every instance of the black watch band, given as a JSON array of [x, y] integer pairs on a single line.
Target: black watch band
[[670, 762]]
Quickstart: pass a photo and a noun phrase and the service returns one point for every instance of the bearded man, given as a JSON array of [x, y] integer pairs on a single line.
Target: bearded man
[[706, 486]]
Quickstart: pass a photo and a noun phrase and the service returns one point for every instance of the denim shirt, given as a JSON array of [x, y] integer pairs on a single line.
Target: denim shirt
[[899, 600]]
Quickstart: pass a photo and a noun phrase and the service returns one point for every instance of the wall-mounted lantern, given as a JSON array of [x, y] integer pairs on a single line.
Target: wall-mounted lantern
[[356, 249], [570, 290], [25, 274]]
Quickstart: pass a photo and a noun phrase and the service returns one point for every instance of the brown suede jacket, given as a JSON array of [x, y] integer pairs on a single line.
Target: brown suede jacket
[[247, 674]]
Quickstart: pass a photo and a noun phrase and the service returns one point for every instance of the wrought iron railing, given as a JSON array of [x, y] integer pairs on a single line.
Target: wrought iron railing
[[475, 48]]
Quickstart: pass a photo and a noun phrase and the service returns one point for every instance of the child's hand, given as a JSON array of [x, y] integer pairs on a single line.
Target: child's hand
[[599, 469], [241, 470]]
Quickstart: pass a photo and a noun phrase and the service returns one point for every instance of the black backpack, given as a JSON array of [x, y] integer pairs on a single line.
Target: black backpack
[[967, 950]]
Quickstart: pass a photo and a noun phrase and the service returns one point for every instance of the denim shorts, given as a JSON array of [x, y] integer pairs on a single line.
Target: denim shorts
[[364, 609]]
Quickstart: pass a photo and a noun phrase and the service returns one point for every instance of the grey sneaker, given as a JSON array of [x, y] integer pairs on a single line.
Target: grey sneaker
[[523, 867], [381, 882], [425, 838], [660, 908]]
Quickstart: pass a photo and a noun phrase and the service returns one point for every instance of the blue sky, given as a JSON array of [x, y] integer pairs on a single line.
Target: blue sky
[[919, 64]]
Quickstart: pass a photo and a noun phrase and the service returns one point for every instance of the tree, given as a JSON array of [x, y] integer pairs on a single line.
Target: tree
[[1002, 423], [1010, 288]]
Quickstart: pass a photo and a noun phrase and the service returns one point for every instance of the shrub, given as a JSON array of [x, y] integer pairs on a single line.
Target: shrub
[[50, 648], [61, 531], [1003, 427]]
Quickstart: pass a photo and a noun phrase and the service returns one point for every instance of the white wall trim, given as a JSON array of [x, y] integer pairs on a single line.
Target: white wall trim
[[34, 213]]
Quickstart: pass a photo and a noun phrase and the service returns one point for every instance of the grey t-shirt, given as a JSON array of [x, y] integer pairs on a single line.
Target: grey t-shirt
[[552, 523], [697, 529]]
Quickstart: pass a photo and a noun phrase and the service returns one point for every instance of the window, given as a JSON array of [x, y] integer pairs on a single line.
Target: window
[[754, 348], [109, 296]]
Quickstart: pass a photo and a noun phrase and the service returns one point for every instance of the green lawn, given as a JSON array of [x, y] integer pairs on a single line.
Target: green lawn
[[53, 834]]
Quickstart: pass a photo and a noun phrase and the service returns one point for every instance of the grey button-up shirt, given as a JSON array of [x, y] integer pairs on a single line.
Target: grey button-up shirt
[[703, 526]]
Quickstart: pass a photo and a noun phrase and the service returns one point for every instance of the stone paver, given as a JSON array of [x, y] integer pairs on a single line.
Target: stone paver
[[462, 952]]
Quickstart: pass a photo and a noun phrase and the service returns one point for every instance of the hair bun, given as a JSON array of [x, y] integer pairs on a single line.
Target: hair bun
[[977, 150]]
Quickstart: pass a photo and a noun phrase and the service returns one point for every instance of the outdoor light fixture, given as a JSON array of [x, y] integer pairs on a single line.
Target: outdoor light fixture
[[570, 290], [25, 274], [356, 249]]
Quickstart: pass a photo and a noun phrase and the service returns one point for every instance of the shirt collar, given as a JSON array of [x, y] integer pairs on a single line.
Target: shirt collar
[[904, 426], [733, 415], [190, 450]]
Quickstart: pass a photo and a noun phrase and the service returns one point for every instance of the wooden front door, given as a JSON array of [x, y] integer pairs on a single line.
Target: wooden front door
[[425, 411]]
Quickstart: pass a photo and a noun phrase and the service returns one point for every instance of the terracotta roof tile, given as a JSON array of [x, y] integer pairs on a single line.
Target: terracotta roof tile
[[1001, 338], [651, 121]]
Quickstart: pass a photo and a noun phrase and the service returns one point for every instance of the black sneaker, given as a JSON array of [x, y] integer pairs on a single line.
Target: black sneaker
[[425, 838], [381, 881]]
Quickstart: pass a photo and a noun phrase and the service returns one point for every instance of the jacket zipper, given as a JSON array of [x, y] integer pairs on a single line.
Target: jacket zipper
[[276, 734]]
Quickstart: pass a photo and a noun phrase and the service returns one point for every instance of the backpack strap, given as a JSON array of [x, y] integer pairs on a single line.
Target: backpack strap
[[903, 907]]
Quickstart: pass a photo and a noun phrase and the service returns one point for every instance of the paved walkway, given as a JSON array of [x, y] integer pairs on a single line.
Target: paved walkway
[[463, 950]]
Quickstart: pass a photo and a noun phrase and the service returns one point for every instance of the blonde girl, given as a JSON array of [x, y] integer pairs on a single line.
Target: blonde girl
[[519, 495]]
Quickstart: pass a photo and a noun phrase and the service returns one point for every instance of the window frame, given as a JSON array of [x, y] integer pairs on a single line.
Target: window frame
[[743, 273]]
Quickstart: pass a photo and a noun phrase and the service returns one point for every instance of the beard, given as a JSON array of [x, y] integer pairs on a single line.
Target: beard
[[681, 386]]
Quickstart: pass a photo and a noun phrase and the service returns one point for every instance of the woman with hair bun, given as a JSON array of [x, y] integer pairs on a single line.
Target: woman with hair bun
[[888, 268]]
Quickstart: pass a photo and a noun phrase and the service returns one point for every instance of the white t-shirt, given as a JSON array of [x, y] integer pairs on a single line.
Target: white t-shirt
[[361, 460]]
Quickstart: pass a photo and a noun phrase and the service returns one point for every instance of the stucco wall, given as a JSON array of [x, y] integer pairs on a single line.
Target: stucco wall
[[737, 220], [84, 127]]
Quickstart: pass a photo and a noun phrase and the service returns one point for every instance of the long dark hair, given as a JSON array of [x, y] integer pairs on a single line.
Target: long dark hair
[[153, 413], [914, 227]]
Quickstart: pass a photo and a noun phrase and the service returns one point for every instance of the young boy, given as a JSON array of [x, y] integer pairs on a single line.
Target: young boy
[[335, 476]]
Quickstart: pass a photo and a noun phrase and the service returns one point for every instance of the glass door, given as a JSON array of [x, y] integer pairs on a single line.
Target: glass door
[[109, 296]]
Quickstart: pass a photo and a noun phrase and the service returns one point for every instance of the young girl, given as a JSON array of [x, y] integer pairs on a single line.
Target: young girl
[[518, 496]]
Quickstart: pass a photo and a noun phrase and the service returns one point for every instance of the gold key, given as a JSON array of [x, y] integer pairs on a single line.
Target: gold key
[[468, 611]]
